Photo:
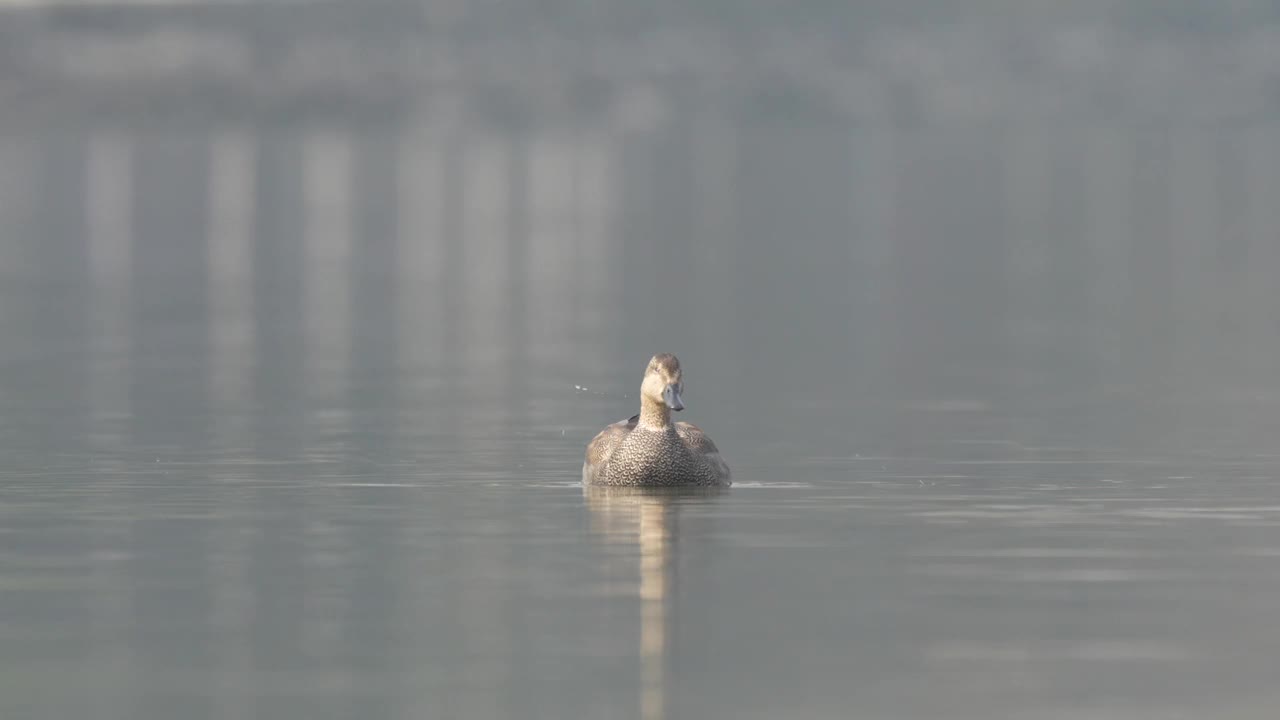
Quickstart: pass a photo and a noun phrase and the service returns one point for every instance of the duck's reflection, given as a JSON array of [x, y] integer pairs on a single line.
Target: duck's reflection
[[648, 517]]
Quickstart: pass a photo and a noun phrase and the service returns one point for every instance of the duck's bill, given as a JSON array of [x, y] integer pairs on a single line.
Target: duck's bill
[[672, 397]]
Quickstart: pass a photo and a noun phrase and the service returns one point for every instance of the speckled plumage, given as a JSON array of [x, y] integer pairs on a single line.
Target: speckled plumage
[[648, 450]]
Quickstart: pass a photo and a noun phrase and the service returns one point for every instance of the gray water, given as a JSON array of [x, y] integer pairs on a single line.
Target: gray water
[[293, 416], [293, 424]]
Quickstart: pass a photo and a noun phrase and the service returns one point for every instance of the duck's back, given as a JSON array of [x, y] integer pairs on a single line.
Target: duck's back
[[702, 447], [602, 447]]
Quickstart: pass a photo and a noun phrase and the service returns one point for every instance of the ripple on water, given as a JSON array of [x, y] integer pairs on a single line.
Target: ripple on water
[[1115, 651]]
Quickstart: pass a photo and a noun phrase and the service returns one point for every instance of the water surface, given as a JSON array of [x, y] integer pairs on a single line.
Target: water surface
[[293, 423]]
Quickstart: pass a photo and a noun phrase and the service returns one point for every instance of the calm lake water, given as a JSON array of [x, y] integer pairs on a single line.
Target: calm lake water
[[293, 421]]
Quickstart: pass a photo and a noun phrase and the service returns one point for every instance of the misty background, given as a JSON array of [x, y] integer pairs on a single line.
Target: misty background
[[308, 310]]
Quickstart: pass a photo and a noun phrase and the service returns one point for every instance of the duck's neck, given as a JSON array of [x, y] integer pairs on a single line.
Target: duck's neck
[[654, 415]]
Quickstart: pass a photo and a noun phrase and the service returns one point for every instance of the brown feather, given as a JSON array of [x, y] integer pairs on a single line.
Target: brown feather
[[607, 440]]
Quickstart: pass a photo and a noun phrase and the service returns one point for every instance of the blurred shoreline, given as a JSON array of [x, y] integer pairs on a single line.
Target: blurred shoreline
[[870, 65]]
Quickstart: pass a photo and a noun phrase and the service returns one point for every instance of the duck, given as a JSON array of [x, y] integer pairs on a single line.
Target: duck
[[647, 449]]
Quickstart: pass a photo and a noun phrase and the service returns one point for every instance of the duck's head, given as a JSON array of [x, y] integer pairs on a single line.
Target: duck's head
[[662, 381]]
